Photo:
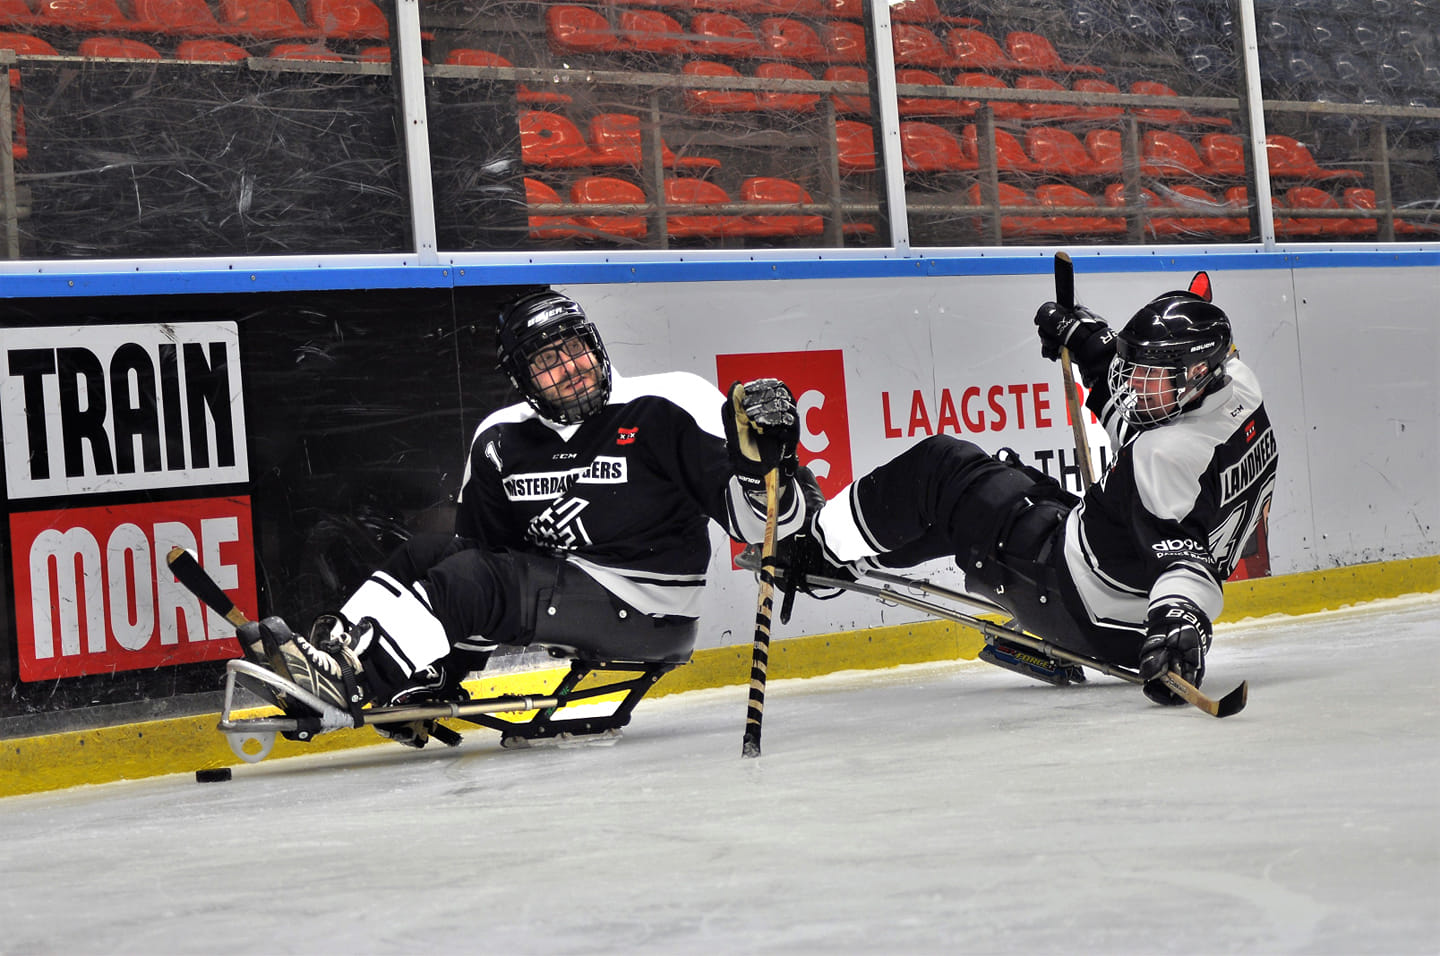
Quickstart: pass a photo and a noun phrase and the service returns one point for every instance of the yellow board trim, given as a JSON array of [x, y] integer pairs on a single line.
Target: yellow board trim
[[186, 744]]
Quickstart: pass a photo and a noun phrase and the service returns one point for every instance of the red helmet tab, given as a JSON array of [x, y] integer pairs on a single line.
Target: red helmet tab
[[1200, 285]]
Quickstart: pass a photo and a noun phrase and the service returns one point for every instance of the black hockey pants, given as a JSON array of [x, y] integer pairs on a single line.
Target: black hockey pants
[[520, 598], [1002, 521]]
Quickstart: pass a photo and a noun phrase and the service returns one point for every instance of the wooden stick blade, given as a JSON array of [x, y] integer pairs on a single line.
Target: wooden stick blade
[[1227, 706]]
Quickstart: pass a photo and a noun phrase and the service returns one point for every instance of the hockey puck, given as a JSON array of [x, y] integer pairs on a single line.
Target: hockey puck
[[213, 775]]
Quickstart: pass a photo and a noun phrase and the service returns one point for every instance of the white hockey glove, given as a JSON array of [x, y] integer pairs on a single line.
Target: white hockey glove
[[1178, 635]]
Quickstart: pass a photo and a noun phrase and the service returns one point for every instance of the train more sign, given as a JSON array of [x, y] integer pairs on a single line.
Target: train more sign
[[104, 426]]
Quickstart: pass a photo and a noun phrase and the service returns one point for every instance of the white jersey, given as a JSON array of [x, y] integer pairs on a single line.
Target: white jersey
[[1173, 513]]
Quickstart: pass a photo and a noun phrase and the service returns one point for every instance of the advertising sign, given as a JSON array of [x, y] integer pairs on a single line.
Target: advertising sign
[[98, 414]]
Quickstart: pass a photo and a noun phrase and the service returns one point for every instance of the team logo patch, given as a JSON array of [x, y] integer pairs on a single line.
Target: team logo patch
[[626, 436]]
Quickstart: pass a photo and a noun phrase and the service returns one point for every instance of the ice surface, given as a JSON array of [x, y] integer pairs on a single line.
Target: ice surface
[[937, 808]]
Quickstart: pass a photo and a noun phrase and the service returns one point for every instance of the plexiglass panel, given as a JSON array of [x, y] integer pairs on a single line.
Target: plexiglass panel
[[174, 128], [1085, 121], [1351, 90], [653, 124]]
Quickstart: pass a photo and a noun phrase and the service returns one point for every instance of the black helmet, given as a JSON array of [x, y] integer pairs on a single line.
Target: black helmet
[[1169, 354], [537, 333]]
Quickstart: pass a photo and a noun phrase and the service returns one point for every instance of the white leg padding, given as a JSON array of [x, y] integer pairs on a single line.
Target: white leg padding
[[414, 636], [839, 529]]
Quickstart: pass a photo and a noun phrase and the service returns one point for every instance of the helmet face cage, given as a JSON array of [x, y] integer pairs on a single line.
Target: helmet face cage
[[1167, 357], [546, 342]]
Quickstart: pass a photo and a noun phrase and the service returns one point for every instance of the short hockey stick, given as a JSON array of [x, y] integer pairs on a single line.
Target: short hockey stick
[[1065, 295], [764, 604], [1231, 703], [189, 573]]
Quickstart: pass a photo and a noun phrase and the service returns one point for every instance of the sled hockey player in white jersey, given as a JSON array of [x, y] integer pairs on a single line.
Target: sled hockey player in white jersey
[[582, 526], [1132, 574]]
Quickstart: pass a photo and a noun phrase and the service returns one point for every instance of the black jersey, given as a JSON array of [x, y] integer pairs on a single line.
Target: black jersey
[[1177, 506], [626, 495]]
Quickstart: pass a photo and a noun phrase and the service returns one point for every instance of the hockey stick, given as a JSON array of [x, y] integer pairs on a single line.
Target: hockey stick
[[1065, 295], [189, 573], [764, 602], [1229, 704]]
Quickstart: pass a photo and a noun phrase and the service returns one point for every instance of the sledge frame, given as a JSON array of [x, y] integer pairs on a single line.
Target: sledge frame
[[252, 738]]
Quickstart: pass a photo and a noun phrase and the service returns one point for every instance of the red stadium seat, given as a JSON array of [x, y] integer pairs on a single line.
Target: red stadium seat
[[461, 56], [1003, 109], [786, 102], [849, 103], [605, 191], [348, 19], [1357, 197], [703, 102], [117, 48], [1073, 224], [1169, 156], [1009, 195], [844, 41], [653, 32], [572, 29], [312, 52], [22, 45], [1290, 159], [177, 17], [769, 189], [927, 106], [1058, 152], [1034, 52], [615, 140], [1091, 85], [1046, 112], [1224, 153], [548, 226], [917, 46], [686, 225], [720, 34], [266, 19], [972, 50], [1106, 152], [855, 146], [1237, 199], [925, 11], [210, 51], [1308, 197], [84, 15], [1010, 156], [927, 148], [786, 39], [794, 8], [550, 140], [849, 9], [1157, 226], [1165, 115]]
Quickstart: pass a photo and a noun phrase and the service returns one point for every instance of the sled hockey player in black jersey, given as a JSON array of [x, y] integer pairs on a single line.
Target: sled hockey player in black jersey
[[1130, 575], [582, 527]]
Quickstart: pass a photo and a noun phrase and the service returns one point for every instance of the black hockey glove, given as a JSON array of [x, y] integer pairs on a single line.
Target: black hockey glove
[[1085, 334], [762, 431], [1178, 635]]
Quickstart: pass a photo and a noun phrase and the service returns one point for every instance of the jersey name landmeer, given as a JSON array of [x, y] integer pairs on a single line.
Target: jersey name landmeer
[[544, 485], [1235, 479]]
